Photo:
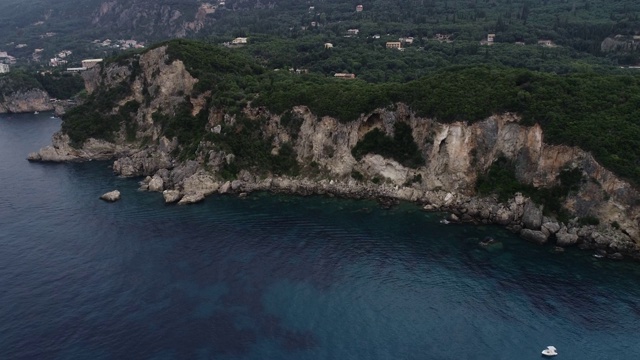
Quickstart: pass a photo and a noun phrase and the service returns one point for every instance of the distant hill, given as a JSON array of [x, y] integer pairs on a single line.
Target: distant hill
[[578, 33]]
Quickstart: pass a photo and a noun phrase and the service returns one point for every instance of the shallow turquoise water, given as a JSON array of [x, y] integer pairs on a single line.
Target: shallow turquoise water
[[279, 277]]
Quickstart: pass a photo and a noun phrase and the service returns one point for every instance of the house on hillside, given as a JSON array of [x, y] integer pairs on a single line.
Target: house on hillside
[[4, 68], [489, 41], [407, 40], [239, 41], [353, 32], [359, 8], [442, 37], [328, 45], [56, 61], [393, 45], [344, 76], [89, 63], [546, 43]]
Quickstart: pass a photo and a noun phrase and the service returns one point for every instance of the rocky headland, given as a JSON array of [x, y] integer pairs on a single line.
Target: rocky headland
[[455, 156], [25, 101]]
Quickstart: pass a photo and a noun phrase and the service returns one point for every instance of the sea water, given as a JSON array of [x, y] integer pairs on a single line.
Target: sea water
[[279, 277]]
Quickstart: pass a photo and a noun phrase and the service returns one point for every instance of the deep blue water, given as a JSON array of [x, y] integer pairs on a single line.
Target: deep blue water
[[278, 277]]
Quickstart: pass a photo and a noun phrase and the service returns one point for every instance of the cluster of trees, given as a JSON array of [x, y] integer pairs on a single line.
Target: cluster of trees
[[93, 118], [580, 27], [501, 179], [61, 85], [400, 147], [17, 81], [58, 85]]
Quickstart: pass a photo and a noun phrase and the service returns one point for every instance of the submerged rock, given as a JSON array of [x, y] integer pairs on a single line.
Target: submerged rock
[[111, 196], [537, 237]]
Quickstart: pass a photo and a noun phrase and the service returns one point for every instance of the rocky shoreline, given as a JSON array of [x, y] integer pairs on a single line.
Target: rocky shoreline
[[520, 215], [188, 182]]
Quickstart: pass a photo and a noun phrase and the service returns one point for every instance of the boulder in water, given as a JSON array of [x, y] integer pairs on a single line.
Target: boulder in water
[[111, 196]]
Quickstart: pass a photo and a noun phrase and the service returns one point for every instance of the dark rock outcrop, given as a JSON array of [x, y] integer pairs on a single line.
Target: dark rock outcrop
[[25, 101]]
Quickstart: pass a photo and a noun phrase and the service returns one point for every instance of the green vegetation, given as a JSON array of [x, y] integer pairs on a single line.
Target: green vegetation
[[61, 85], [289, 33], [17, 81], [501, 180], [252, 150], [401, 147], [93, 119]]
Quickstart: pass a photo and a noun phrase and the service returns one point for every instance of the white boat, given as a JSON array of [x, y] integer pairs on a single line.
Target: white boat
[[36, 113], [550, 351]]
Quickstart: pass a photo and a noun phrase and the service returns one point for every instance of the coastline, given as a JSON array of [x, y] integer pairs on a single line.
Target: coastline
[[519, 215], [191, 181]]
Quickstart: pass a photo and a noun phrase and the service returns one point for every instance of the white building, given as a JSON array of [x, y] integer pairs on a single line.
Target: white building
[[239, 40], [89, 63], [4, 68]]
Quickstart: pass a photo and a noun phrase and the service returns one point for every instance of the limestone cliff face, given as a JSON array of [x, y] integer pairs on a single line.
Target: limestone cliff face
[[455, 154], [25, 102], [153, 19]]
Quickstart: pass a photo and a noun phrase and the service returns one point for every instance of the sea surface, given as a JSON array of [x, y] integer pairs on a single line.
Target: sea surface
[[279, 277]]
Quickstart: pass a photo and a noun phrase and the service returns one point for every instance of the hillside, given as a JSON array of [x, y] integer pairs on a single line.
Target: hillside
[[594, 35], [197, 119]]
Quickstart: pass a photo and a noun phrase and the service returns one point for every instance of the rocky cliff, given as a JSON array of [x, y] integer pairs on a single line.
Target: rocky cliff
[[25, 101], [455, 156], [153, 19]]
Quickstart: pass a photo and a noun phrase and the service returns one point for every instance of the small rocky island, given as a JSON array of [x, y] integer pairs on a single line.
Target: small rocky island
[[111, 196]]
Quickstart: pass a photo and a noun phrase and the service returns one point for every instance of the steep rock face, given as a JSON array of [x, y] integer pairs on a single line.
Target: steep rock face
[[25, 102], [619, 43], [455, 155], [153, 19]]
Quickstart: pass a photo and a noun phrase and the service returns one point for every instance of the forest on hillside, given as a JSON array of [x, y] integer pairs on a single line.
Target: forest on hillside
[[587, 35]]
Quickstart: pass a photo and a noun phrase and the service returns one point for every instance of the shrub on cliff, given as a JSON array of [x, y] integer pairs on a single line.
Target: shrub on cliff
[[500, 179], [17, 81], [401, 147]]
